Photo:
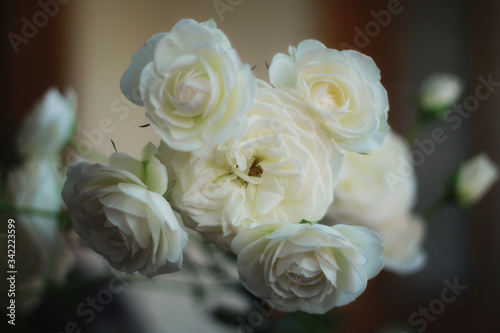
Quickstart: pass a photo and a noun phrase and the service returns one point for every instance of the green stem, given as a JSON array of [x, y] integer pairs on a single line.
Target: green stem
[[414, 131], [195, 265], [423, 118], [5, 207], [62, 216], [445, 199], [169, 190]]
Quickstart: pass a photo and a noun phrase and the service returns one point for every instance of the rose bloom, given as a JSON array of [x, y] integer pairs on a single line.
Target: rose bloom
[[474, 179], [42, 253], [371, 187], [194, 87], [439, 91], [371, 192], [307, 267], [342, 88], [121, 213], [49, 126], [283, 169], [402, 237]]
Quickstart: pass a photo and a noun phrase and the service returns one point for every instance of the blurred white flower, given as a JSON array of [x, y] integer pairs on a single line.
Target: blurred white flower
[[371, 188], [194, 87], [402, 237], [121, 213], [439, 91], [307, 267], [342, 88], [474, 179], [42, 253], [49, 126], [284, 169], [373, 193]]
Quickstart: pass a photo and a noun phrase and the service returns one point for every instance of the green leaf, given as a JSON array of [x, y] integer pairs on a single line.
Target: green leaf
[[114, 146], [303, 221]]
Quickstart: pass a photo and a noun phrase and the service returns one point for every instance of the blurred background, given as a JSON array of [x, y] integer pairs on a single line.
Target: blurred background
[[88, 45]]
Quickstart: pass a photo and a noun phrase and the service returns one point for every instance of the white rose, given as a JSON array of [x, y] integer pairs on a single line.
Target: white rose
[[440, 90], [42, 253], [373, 193], [474, 179], [121, 213], [193, 84], [402, 237], [371, 188], [307, 267], [49, 127], [283, 169], [342, 88]]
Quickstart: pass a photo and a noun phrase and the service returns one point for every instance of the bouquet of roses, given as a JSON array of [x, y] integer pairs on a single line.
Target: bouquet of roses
[[301, 178], [250, 166]]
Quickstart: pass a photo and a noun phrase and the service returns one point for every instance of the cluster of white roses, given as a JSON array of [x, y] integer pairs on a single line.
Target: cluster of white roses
[[253, 167], [300, 178]]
